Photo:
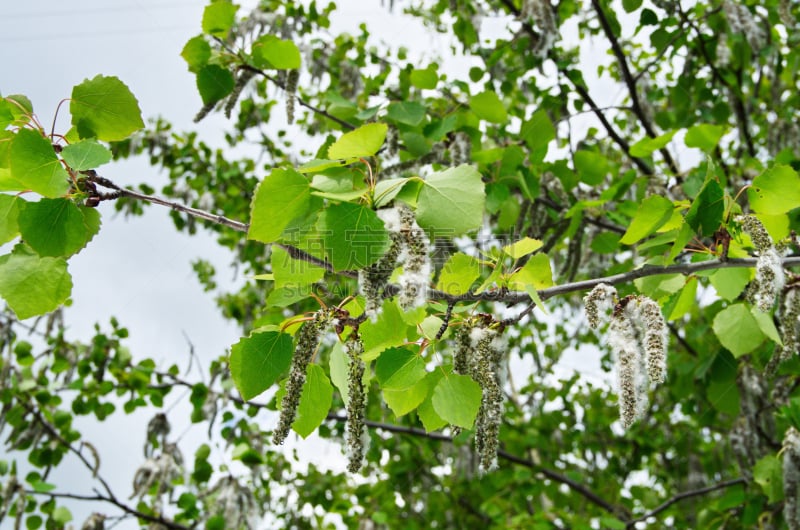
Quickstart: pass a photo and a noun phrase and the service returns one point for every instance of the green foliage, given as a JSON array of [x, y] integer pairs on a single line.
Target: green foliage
[[280, 198], [451, 202], [104, 108], [257, 361], [85, 154], [775, 191], [456, 399], [450, 221], [57, 227], [276, 53], [315, 401], [364, 141], [35, 166], [33, 285]]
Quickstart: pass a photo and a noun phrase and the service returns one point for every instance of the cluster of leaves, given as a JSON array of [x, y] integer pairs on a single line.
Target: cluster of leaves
[[519, 205]]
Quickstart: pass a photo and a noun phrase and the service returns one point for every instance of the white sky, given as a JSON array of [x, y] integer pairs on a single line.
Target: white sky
[[139, 269]]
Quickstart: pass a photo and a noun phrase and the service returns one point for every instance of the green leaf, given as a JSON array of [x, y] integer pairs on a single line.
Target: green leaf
[[536, 273], [246, 454], [407, 112], [399, 369], [317, 165], [105, 108], [729, 283], [292, 278], [682, 302], [768, 473], [427, 414], [646, 146], [62, 515], [767, 325], [424, 78], [214, 83], [277, 53], [631, 5], [196, 52], [289, 271], [337, 365], [361, 142], [721, 389], [40, 486], [388, 330], [705, 214], [605, 243], [218, 18], [523, 247], [35, 165], [280, 198], [456, 399], [32, 285], [653, 212], [315, 401], [57, 227], [9, 213], [458, 274], [778, 226], [660, 285], [591, 167], [487, 106], [257, 361], [775, 191], [19, 107], [354, 236], [86, 154], [451, 202], [737, 330], [704, 136], [404, 401], [538, 131], [387, 190]]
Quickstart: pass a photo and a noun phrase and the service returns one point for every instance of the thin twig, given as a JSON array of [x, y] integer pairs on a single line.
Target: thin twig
[[630, 82], [587, 98], [109, 497], [685, 495], [300, 101], [549, 473], [122, 506]]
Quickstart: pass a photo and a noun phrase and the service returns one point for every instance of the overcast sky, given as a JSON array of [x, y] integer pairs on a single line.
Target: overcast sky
[[139, 269]]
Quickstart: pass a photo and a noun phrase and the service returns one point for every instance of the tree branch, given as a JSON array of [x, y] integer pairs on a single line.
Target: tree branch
[[738, 103], [630, 82], [579, 488], [685, 495], [509, 297], [109, 496], [587, 98], [294, 252], [303, 103], [122, 506], [515, 297]]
